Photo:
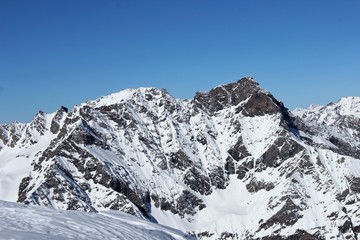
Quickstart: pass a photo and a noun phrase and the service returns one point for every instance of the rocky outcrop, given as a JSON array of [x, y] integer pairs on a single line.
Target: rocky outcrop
[[257, 101], [288, 215], [56, 121], [10, 134]]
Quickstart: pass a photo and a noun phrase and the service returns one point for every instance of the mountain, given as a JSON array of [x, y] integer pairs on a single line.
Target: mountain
[[335, 126], [19, 222], [231, 163]]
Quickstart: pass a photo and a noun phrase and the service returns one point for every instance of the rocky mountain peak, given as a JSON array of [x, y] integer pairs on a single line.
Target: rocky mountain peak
[[39, 123], [246, 95]]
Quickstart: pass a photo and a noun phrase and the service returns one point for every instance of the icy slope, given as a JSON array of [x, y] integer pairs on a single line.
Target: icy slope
[[18, 221]]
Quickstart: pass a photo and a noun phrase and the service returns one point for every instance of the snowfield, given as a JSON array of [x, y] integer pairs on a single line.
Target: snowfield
[[25, 222]]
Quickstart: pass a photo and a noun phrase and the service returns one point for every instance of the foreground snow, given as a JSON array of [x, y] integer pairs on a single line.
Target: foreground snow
[[19, 221]]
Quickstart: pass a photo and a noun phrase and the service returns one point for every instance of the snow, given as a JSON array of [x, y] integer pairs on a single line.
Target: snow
[[333, 122], [19, 222], [12, 170], [226, 208], [349, 106], [259, 132], [354, 166], [346, 106], [233, 209], [122, 96], [15, 161], [114, 98]]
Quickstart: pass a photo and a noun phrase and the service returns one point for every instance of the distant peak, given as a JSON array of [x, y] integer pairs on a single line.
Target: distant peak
[[315, 106], [346, 106], [350, 99], [145, 93]]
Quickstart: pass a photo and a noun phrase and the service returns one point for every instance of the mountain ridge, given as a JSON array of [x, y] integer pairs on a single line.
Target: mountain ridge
[[230, 163]]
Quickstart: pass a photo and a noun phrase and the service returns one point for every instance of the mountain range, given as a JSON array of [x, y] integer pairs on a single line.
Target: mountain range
[[230, 163]]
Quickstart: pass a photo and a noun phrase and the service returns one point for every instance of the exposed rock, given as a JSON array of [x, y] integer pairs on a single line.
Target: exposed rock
[[226, 95], [299, 235], [281, 150], [260, 104], [238, 151], [288, 215], [244, 168], [254, 185], [4, 134], [39, 123], [187, 203], [229, 165], [355, 185], [197, 182], [56, 121], [217, 178], [23, 185], [180, 160]]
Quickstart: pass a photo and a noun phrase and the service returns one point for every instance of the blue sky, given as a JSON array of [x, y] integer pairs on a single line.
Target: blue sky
[[55, 53]]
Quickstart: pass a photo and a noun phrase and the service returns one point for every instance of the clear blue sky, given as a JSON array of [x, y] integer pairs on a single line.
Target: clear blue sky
[[63, 52]]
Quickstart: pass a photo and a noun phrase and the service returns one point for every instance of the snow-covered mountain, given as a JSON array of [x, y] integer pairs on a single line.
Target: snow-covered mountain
[[21, 222], [231, 163], [330, 114], [335, 126]]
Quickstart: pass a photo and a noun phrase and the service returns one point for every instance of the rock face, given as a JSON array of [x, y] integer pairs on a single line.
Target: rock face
[[231, 163]]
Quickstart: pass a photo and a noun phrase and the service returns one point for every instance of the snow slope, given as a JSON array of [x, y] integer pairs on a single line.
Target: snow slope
[[18, 221]]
